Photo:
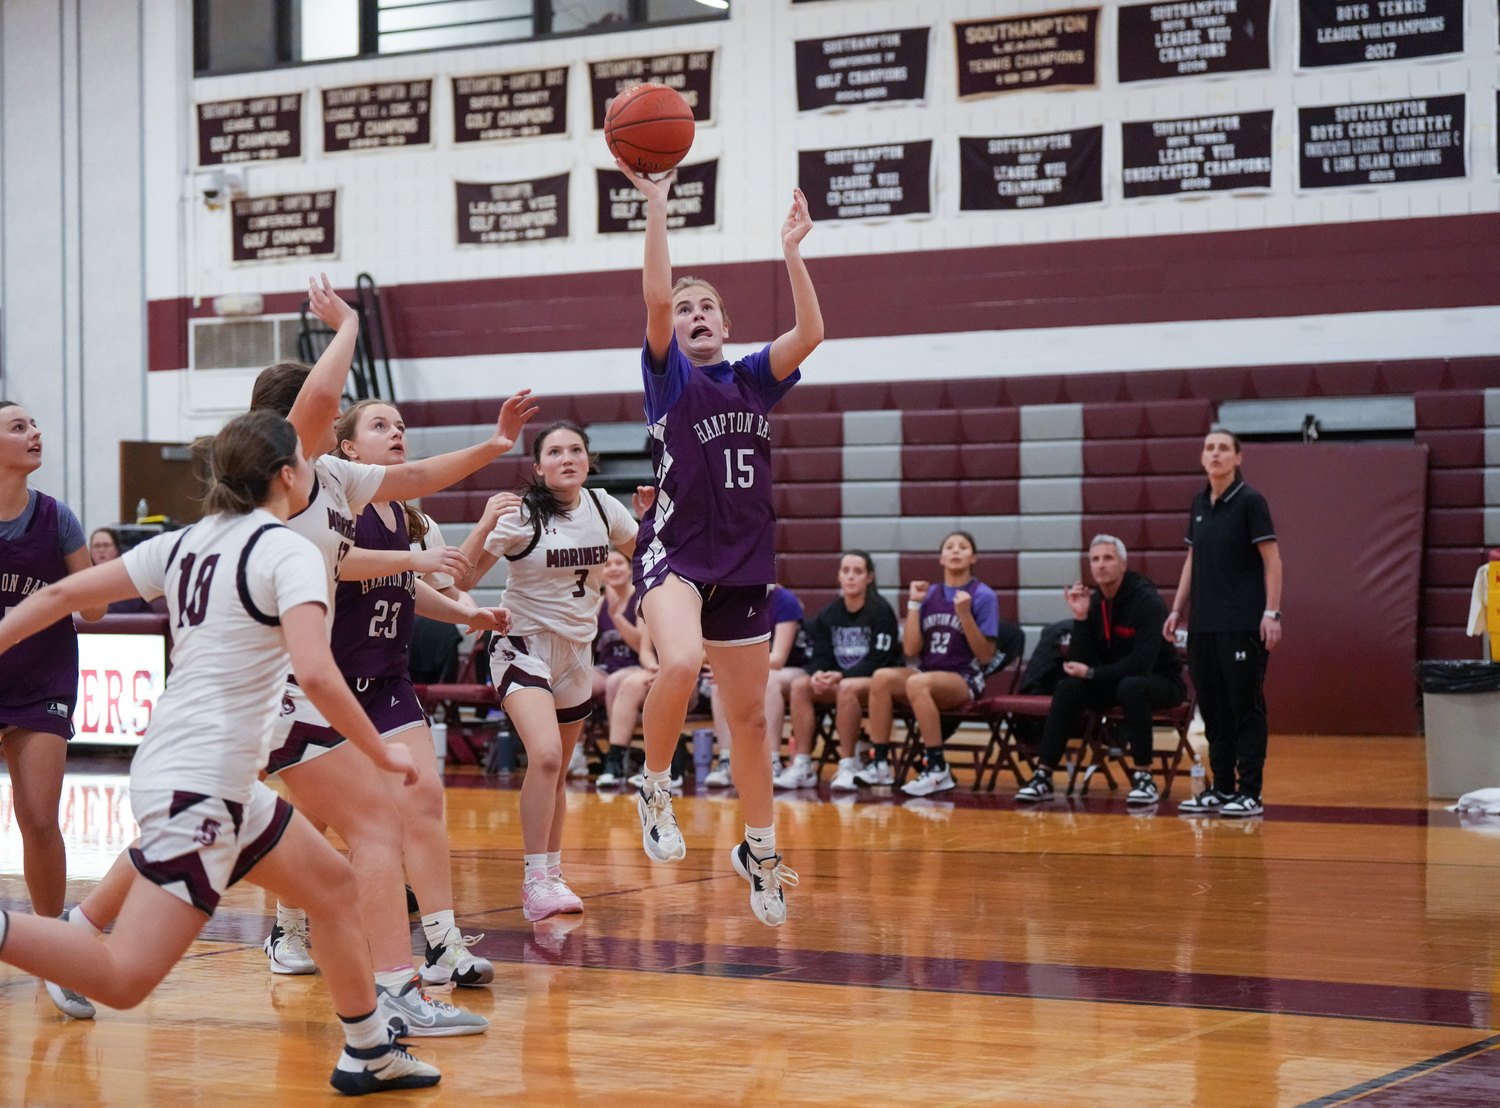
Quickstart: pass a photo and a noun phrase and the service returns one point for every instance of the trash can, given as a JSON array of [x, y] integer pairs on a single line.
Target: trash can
[[1461, 705]]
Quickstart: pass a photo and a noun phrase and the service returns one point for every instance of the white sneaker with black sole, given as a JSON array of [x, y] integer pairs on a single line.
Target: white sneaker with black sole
[[876, 773], [660, 834], [411, 1012], [1038, 788], [1207, 803], [801, 774], [1142, 788], [930, 781], [289, 950], [766, 877], [844, 780], [1241, 806], [450, 963], [381, 1069]]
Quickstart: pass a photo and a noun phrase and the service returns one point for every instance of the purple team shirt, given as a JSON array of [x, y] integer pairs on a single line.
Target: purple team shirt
[[611, 651], [41, 672], [785, 607], [713, 521], [373, 620], [943, 644]]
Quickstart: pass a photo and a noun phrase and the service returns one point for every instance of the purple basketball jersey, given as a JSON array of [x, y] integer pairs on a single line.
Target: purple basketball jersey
[[373, 620], [713, 521], [41, 670], [943, 644], [611, 651]]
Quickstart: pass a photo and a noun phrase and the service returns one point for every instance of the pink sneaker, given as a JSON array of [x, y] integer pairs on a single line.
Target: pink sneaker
[[541, 897], [574, 904]]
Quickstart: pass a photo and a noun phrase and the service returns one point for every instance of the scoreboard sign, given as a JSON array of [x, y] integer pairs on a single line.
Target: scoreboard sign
[[369, 117], [257, 129], [291, 225], [120, 681]]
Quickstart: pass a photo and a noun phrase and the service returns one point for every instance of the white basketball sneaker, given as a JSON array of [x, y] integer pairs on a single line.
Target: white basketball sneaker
[[381, 1068], [766, 877], [290, 950], [659, 832]]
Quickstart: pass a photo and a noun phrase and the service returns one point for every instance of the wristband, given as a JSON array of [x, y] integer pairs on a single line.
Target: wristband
[[913, 605], [1273, 614]]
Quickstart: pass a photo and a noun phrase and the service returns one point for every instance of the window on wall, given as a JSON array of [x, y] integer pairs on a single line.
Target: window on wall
[[236, 36]]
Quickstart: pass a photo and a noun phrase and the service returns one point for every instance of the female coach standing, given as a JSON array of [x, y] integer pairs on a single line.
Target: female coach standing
[[1233, 574]]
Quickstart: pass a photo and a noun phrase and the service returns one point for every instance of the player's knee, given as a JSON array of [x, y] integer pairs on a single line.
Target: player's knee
[[547, 762], [678, 672]]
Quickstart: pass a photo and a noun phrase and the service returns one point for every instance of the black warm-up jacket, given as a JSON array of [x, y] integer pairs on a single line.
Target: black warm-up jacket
[[1132, 645]]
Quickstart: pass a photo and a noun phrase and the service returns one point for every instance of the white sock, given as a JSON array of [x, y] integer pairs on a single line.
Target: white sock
[[75, 915], [287, 917], [536, 863], [365, 1032], [394, 980], [436, 926], [554, 860], [662, 777], [762, 840]]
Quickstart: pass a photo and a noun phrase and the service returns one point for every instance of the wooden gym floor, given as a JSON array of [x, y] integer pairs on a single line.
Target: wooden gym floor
[[1341, 949]]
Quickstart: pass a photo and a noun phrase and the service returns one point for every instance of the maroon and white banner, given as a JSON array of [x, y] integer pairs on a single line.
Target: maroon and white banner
[[1192, 38], [694, 201], [256, 129], [1214, 153], [1031, 171], [512, 211], [881, 67], [1047, 50], [369, 117], [510, 105], [292, 225], [863, 182], [692, 75]]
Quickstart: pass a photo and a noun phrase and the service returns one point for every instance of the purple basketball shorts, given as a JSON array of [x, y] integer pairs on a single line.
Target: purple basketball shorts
[[52, 717], [733, 615], [390, 702]]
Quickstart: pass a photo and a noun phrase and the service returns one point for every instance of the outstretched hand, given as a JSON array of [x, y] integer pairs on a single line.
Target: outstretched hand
[[443, 559], [651, 190], [798, 222], [326, 305], [514, 414]]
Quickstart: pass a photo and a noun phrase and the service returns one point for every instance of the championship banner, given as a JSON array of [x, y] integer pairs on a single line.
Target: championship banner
[[692, 75], [1334, 33], [1213, 153], [885, 67], [368, 117], [1391, 142], [693, 202], [860, 182], [512, 211], [292, 225], [510, 105], [1031, 171], [1050, 50], [256, 129], [1193, 38]]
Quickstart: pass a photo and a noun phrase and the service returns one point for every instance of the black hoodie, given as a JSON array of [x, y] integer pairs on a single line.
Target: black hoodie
[[1131, 645], [855, 644]]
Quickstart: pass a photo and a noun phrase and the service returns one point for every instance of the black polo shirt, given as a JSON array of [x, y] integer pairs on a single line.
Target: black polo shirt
[[1228, 590]]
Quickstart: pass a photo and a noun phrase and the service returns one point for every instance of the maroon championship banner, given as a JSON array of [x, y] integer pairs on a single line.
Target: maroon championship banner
[[1193, 38], [864, 182], [882, 67], [1381, 143], [692, 75], [1031, 171], [1213, 153], [369, 117], [512, 211], [291, 225], [693, 203], [510, 105], [1047, 50], [1332, 32], [256, 129]]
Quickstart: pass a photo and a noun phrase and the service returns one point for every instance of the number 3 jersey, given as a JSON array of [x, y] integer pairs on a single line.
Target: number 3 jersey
[[340, 494], [373, 620], [227, 580], [713, 520], [559, 585]]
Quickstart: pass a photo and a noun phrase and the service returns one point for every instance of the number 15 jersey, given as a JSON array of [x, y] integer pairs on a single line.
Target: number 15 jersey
[[713, 521], [227, 580]]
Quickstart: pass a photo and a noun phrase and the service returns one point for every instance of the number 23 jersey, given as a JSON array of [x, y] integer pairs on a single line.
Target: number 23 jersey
[[559, 585], [211, 730]]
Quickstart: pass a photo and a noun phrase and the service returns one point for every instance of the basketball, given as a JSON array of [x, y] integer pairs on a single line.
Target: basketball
[[649, 128]]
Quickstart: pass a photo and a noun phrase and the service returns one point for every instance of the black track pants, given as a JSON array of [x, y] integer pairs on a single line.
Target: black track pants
[[1139, 697], [1229, 672]]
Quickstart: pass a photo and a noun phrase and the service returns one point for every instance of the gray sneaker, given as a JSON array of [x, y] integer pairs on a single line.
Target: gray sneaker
[[411, 1012], [70, 1003]]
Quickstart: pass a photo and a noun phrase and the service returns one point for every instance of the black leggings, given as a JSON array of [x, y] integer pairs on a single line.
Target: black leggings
[[1229, 672], [1139, 697]]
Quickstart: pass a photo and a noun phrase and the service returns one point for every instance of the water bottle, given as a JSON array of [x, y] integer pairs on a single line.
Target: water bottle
[[142, 510], [703, 752], [1198, 778]]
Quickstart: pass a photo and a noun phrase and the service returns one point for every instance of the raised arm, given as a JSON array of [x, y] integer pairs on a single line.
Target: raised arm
[[911, 629], [980, 644], [318, 401], [417, 479], [656, 270], [789, 351], [97, 587], [472, 547]]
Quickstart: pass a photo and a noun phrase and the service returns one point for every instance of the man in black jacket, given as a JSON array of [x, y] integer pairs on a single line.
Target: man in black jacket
[[1116, 657]]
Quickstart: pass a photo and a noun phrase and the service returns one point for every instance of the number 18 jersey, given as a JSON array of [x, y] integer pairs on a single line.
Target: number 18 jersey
[[227, 580]]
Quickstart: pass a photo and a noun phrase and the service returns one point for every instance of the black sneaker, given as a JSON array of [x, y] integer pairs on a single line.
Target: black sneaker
[[1241, 806], [614, 768], [1142, 788], [412, 907], [380, 1069], [1038, 788], [1207, 803]]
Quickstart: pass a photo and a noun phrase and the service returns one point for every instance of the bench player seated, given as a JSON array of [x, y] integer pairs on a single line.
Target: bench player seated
[[1116, 658]]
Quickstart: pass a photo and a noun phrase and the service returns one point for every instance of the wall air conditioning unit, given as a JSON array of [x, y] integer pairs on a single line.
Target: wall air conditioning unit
[[225, 354]]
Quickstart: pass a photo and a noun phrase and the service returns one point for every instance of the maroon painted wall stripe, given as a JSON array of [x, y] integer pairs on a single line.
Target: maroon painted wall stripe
[[1383, 265]]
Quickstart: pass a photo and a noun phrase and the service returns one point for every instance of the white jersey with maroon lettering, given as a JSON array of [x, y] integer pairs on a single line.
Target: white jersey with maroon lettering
[[558, 586], [341, 491]]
